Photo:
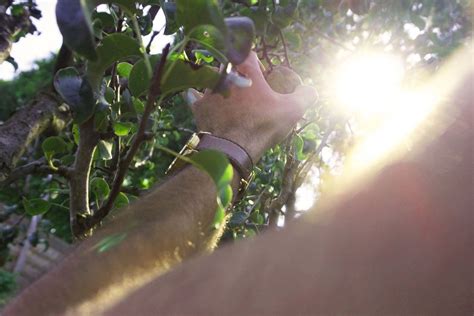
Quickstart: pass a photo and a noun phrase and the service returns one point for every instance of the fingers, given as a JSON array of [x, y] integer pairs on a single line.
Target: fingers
[[301, 99], [251, 67], [191, 96]]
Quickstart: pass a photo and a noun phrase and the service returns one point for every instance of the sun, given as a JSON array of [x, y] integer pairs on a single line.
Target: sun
[[366, 82]]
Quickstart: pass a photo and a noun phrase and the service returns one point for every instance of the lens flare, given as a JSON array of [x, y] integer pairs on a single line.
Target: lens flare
[[364, 83]]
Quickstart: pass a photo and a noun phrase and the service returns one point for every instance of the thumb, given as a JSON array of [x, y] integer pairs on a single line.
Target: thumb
[[191, 96], [302, 98]]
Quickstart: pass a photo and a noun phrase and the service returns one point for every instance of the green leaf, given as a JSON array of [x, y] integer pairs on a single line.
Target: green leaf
[[219, 217], [232, 43], [121, 200], [183, 76], [238, 218], [138, 105], [75, 133], [257, 218], [169, 9], [192, 13], [105, 149], [203, 55], [283, 16], [100, 188], [74, 22], [105, 19], [210, 38], [298, 143], [109, 242], [293, 39], [124, 69], [216, 165], [36, 206], [53, 145], [239, 38], [113, 48], [122, 129], [259, 16], [109, 95], [220, 170], [76, 92]]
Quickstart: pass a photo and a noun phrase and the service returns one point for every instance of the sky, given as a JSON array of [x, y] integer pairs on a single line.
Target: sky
[[35, 47]]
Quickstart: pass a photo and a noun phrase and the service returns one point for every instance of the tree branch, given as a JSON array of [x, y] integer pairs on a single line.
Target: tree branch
[[79, 181], [124, 163], [35, 167], [27, 124]]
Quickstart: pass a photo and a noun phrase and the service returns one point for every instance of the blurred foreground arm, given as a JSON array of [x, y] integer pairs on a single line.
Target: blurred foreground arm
[[401, 244], [173, 221]]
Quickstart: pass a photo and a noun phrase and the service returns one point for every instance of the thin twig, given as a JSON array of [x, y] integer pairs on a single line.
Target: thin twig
[[265, 53], [309, 161], [332, 40], [285, 49], [124, 163], [152, 38], [35, 167]]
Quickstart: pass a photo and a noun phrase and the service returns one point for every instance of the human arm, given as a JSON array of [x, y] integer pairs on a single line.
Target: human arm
[[173, 221], [401, 244]]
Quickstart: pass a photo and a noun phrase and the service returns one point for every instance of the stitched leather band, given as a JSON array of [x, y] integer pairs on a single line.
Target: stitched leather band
[[237, 155]]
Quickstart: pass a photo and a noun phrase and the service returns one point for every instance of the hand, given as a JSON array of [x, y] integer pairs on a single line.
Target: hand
[[257, 117]]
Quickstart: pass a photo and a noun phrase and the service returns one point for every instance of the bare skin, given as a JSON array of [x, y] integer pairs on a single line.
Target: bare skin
[[400, 244], [173, 222]]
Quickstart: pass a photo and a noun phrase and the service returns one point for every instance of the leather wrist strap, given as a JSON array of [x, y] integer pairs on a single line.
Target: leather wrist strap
[[237, 155]]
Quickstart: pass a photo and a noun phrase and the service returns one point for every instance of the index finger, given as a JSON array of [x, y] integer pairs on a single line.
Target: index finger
[[252, 68]]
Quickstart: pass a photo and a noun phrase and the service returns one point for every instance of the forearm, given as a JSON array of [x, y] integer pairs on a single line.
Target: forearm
[[146, 239]]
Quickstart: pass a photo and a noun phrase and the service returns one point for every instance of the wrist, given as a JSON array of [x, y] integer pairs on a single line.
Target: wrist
[[255, 145]]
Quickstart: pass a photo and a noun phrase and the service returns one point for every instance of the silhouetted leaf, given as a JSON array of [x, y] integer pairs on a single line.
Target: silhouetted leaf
[[76, 92]]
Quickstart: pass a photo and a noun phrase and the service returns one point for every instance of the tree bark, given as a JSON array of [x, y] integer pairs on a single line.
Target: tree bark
[[24, 126]]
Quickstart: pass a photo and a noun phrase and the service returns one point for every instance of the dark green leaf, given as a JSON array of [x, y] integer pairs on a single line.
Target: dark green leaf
[[53, 145], [192, 13], [138, 105], [257, 218], [113, 48], [169, 9], [240, 38], [121, 200], [73, 18], [100, 188], [182, 76], [76, 92], [36, 206], [105, 18], [238, 218]]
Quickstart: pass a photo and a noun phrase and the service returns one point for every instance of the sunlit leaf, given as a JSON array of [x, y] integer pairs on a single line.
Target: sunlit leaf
[[105, 149], [124, 69], [122, 128]]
